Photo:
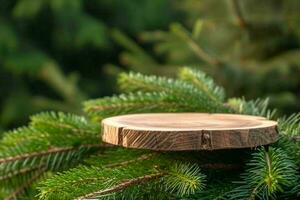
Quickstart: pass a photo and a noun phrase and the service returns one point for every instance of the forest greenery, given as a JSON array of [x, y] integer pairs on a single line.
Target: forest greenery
[[54, 54], [61, 156], [57, 54]]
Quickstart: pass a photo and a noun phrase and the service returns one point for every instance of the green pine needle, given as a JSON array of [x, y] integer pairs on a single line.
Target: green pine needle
[[101, 180], [58, 141], [178, 89], [203, 82], [289, 129], [132, 103], [269, 173], [184, 179], [66, 128], [257, 107]]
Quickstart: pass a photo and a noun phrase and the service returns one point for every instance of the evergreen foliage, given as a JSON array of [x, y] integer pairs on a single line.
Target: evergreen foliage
[[49, 50], [250, 47], [269, 173], [61, 156]]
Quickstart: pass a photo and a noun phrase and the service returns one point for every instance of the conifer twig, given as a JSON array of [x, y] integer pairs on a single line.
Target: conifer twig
[[27, 184], [198, 50], [43, 153], [123, 185], [143, 157], [239, 15], [22, 171]]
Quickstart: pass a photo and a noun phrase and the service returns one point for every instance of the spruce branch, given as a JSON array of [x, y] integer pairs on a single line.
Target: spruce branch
[[22, 172], [177, 89], [48, 130], [138, 102], [122, 186], [203, 83], [129, 44], [296, 190], [102, 180], [289, 129], [87, 180], [257, 107], [63, 122], [18, 191], [56, 141], [269, 173], [23, 140], [238, 13], [70, 128], [54, 158], [184, 179], [183, 34], [122, 157], [53, 141], [290, 126], [46, 144], [215, 190], [124, 163]]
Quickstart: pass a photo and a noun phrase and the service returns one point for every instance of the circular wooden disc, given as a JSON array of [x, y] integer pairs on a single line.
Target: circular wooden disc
[[188, 131]]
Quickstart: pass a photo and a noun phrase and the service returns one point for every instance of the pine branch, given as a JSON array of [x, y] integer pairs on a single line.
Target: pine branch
[[183, 34], [127, 43], [82, 180], [289, 129], [296, 190], [21, 172], [45, 153], [26, 185], [203, 83], [61, 122], [238, 13], [66, 128], [132, 103], [269, 173], [177, 89], [15, 170], [121, 157], [215, 190], [106, 180], [122, 186], [45, 133], [257, 107], [124, 163], [290, 126], [53, 141], [184, 179], [53, 158], [23, 140]]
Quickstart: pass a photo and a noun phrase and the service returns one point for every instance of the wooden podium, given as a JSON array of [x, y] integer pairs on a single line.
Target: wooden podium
[[188, 131]]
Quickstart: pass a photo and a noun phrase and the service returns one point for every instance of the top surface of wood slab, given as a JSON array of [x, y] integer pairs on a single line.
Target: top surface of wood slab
[[188, 131]]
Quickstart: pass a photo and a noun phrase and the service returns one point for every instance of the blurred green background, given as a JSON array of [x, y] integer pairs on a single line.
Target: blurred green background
[[56, 53]]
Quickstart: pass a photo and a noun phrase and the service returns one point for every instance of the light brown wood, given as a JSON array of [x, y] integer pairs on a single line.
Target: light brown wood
[[188, 131]]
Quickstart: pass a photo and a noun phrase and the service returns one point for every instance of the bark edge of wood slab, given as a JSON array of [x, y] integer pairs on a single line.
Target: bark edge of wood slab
[[188, 131]]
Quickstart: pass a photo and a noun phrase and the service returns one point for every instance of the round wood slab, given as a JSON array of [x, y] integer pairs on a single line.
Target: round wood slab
[[188, 131]]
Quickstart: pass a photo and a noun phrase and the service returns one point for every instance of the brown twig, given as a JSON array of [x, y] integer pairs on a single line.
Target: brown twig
[[195, 47], [123, 185], [238, 13], [143, 157]]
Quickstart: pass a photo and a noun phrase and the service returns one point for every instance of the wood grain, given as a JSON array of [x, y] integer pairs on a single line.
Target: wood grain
[[188, 131]]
